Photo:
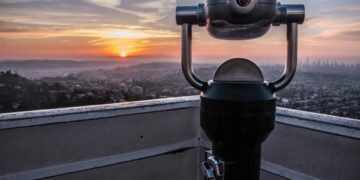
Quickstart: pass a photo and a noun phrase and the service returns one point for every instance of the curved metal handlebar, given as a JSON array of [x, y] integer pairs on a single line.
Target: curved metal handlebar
[[292, 15], [292, 55], [282, 82], [186, 59]]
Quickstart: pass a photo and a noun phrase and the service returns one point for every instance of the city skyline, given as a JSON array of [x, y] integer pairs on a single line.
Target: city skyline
[[130, 29]]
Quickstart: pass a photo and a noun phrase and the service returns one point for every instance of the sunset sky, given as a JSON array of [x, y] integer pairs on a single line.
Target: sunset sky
[[130, 29]]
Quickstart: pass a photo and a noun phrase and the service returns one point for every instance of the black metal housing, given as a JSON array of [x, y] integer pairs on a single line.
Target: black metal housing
[[238, 118], [229, 20]]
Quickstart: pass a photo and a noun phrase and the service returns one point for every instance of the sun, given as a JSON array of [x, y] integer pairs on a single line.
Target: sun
[[123, 54]]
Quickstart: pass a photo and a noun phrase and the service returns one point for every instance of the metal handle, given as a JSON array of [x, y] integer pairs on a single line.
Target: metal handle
[[186, 59], [291, 63]]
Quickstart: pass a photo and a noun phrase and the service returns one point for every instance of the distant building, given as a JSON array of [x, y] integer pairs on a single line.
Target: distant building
[[123, 88], [137, 90], [285, 100]]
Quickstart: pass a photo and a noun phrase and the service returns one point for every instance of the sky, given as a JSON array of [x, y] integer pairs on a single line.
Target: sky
[[146, 29]]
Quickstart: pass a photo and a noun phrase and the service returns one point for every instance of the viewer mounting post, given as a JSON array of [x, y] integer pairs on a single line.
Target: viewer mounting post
[[238, 105]]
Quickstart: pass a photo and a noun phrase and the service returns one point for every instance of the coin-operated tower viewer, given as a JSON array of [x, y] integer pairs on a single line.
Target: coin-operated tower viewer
[[238, 105]]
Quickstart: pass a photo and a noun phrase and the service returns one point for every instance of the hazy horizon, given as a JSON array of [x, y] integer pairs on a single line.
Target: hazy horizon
[[152, 59]]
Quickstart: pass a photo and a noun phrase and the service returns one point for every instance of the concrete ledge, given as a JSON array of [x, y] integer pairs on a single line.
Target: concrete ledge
[[320, 122], [50, 116], [326, 123]]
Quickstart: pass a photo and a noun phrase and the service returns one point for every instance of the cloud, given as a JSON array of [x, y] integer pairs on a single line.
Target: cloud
[[106, 3], [158, 9], [347, 9], [10, 30], [22, 1], [146, 11], [15, 1], [326, 32], [160, 6]]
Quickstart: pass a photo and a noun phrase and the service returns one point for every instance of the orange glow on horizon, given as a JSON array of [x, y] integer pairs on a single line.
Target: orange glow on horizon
[[123, 54]]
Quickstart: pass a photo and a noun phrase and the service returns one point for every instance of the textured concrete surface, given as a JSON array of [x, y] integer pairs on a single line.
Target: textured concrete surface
[[322, 155], [264, 175], [175, 166], [47, 145]]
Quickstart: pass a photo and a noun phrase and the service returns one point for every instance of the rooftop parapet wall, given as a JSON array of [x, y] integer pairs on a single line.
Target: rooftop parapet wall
[[53, 142], [315, 145], [48, 143], [321, 122]]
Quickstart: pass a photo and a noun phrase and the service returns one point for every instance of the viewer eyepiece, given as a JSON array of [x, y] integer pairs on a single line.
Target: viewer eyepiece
[[243, 3], [240, 19]]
